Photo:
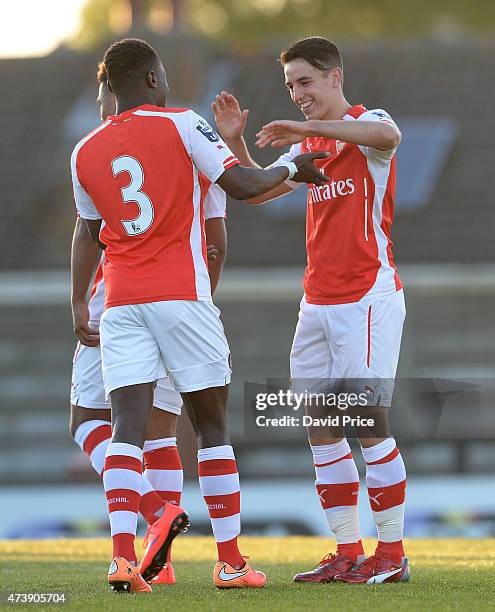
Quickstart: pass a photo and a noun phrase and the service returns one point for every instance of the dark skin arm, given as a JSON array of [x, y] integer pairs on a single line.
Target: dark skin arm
[[244, 183], [94, 226], [216, 239], [85, 255]]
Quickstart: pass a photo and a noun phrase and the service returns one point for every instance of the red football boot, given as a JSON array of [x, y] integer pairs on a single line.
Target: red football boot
[[159, 540], [166, 575], [327, 569], [376, 571]]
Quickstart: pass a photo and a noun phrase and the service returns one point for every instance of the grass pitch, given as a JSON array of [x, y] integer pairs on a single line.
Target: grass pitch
[[446, 575]]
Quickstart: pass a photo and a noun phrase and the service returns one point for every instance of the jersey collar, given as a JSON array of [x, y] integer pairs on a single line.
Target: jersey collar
[[354, 112], [131, 111]]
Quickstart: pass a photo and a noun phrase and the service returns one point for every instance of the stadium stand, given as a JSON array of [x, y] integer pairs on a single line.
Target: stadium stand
[[410, 79]]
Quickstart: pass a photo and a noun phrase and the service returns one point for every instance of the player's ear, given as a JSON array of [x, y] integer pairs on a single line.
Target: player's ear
[[151, 79], [337, 77]]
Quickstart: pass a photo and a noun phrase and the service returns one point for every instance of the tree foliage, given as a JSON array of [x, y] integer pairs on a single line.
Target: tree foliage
[[257, 22]]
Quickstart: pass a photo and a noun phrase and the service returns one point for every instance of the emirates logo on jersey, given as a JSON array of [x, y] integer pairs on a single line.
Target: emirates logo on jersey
[[330, 191]]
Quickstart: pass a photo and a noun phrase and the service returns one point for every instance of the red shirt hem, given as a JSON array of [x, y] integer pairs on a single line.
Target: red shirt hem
[[349, 299], [161, 298]]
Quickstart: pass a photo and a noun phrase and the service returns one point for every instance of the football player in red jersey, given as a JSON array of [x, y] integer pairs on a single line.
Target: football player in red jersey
[[139, 173], [352, 313], [90, 411]]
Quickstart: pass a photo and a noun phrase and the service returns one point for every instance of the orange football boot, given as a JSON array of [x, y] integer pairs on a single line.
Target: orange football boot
[[125, 577], [227, 577]]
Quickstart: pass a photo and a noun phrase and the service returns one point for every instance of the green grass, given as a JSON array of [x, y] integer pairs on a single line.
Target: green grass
[[446, 575]]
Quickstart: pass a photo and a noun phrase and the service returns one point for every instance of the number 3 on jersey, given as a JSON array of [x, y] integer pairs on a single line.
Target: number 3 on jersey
[[133, 193]]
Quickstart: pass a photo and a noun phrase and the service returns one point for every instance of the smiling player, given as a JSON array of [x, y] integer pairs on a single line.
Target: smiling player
[[352, 313]]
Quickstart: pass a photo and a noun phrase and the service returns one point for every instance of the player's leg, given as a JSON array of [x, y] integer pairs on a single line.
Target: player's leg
[[90, 421], [219, 482], [162, 462], [163, 467], [337, 479], [89, 411], [131, 365], [196, 354], [385, 470], [91, 430]]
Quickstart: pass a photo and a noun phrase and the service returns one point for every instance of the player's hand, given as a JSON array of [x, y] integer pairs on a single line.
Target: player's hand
[[211, 252], [80, 320], [282, 133], [229, 118], [307, 172]]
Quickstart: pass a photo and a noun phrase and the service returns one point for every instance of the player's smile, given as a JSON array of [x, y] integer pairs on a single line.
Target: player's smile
[[305, 106]]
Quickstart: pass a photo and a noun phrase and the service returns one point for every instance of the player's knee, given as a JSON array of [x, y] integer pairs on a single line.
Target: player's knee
[[161, 424], [129, 431], [213, 437], [322, 440], [80, 415]]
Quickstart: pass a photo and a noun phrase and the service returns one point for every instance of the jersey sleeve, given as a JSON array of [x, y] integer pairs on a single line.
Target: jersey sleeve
[[84, 204], [378, 115], [294, 151], [215, 204], [208, 151]]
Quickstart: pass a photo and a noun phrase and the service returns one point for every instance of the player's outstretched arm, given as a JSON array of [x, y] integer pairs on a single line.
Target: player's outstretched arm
[[85, 255], [216, 239], [244, 183], [381, 135], [231, 122]]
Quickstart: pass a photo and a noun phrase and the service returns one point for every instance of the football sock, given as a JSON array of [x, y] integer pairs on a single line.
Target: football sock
[[219, 482], [163, 468], [337, 486], [386, 481], [94, 437], [122, 479]]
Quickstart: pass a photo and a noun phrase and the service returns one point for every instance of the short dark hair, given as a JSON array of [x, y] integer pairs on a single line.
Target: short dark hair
[[101, 75], [316, 50], [127, 60]]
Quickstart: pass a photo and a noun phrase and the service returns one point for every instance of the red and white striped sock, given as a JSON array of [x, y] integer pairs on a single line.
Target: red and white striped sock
[[151, 505], [386, 480], [337, 486], [94, 437], [163, 468], [122, 479], [219, 482]]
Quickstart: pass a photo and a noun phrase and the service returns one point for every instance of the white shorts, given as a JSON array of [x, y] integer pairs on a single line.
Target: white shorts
[[343, 342], [182, 338], [87, 388]]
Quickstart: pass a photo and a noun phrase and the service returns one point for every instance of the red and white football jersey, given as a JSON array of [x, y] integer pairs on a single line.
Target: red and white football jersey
[[215, 206], [140, 172], [349, 251]]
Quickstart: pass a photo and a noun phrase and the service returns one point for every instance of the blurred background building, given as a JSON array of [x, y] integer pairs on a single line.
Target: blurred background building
[[430, 64]]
